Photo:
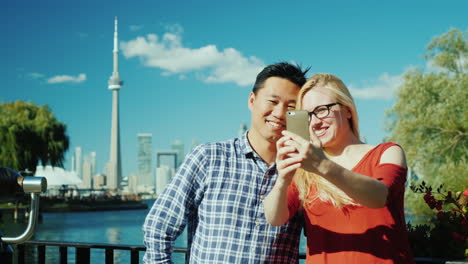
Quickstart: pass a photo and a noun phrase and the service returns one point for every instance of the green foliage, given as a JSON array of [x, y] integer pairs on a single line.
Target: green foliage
[[446, 234], [449, 51], [29, 134], [430, 118]]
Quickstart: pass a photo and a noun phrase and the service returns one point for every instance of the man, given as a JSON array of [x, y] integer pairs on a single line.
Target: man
[[219, 189]]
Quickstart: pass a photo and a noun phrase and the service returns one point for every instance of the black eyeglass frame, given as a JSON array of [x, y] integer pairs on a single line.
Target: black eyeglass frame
[[328, 106]]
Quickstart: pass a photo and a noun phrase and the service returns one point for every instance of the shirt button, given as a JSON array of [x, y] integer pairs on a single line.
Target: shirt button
[[262, 197], [257, 222]]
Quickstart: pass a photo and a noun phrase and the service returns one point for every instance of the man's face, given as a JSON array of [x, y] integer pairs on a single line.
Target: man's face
[[269, 107]]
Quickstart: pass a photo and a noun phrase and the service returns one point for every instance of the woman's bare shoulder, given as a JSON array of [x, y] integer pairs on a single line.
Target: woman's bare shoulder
[[394, 155]]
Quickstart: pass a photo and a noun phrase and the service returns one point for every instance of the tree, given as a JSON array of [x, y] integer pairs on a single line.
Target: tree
[[29, 134], [430, 118]]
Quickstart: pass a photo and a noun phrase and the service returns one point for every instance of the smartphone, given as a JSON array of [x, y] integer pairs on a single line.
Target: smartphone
[[297, 121]]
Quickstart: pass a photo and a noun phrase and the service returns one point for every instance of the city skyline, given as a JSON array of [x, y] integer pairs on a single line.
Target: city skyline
[[187, 78]]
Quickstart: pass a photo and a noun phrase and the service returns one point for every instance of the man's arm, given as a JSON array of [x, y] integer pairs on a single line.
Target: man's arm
[[168, 216]]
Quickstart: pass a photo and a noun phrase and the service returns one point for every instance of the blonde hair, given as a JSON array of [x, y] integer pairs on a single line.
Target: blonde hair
[[325, 190]]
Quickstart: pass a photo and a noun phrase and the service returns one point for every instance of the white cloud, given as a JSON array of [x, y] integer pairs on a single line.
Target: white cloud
[[207, 62], [36, 75], [386, 85], [135, 27], [383, 88], [67, 78]]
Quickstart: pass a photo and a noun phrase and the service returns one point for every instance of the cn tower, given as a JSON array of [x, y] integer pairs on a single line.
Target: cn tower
[[114, 167]]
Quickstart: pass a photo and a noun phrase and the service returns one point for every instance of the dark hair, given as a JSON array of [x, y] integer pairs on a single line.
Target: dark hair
[[285, 70]]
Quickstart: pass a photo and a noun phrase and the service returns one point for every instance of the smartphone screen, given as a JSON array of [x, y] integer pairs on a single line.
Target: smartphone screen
[[297, 121]]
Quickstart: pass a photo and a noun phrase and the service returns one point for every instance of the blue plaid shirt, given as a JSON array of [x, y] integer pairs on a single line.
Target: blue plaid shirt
[[218, 191]]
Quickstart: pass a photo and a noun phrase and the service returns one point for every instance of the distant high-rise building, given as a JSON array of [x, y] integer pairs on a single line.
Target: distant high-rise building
[[92, 159], [242, 129], [132, 183], [178, 146], [87, 175], [73, 163], [145, 155], [114, 166], [163, 177], [167, 158], [88, 170], [166, 165], [99, 181], [77, 162]]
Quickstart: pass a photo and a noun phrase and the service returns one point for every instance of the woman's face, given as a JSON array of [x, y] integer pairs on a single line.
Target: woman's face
[[332, 127]]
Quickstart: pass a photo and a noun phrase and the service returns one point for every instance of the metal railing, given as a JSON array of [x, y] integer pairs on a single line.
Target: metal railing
[[83, 252]]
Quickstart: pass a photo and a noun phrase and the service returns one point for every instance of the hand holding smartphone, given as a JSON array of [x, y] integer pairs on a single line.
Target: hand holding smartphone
[[297, 121]]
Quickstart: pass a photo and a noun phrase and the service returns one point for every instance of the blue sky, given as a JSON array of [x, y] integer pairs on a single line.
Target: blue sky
[[188, 66]]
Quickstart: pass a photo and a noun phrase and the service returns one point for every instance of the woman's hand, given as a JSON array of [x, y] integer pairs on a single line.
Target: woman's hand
[[308, 153]]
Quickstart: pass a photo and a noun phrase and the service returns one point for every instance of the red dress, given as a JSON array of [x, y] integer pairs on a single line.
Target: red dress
[[359, 234]]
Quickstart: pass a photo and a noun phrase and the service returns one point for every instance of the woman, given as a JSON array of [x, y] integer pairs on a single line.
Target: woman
[[351, 192]]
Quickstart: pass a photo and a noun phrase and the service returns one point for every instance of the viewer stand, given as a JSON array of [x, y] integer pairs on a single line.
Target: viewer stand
[[12, 183]]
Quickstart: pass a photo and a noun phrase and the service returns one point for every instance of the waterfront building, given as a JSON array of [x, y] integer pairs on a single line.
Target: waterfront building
[[72, 165], [87, 175], [178, 146], [114, 166], [145, 154], [57, 178], [132, 183], [167, 158], [88, 170], [99, 181], [77, 162], [163, 177], [166, 161], [92, 160]]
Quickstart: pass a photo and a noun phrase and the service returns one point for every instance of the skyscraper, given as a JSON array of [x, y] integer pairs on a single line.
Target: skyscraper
[[87, 182], [88, 170], [166, 164], [77, 164], [114, 168], [164, 175], [145, 168]]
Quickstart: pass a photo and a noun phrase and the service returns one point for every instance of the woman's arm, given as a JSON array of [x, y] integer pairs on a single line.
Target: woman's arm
[[365, 190]]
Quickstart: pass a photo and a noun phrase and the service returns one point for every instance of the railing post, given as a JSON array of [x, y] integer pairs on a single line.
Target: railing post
[[63, 255], [187, 257], [134, 256], [41, 254], [109, 256], [18, 253], [82, 255]]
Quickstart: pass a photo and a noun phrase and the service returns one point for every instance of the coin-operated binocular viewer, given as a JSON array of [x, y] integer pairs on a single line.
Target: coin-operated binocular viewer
[[11, 184]]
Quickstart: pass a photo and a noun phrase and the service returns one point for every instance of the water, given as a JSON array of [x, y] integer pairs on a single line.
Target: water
[[114, 227]]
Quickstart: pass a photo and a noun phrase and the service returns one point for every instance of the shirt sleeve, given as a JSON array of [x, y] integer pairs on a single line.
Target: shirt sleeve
[[169, 213], [393, 176]]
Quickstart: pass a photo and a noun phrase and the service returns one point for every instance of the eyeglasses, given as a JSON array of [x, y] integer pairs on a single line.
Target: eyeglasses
[[322, 111]]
